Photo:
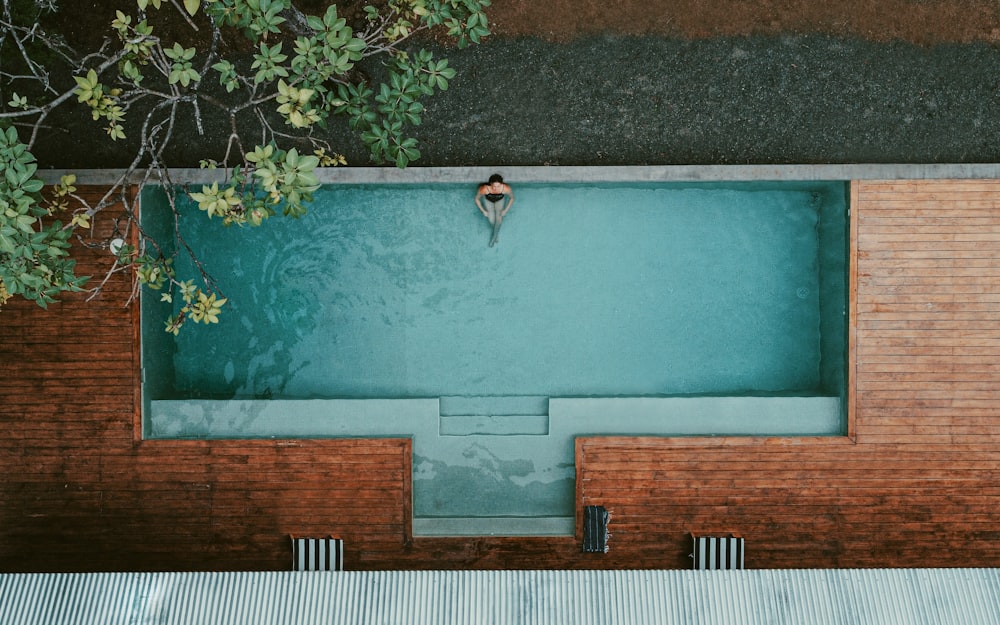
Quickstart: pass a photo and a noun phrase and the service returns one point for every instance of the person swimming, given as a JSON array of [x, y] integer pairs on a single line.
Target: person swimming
[[498, 198]]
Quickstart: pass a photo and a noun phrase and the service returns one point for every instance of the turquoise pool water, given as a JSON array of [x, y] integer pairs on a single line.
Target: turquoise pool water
[[662, 309], [592, 291]]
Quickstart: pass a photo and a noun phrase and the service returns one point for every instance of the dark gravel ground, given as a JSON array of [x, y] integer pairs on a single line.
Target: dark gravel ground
[[620, 100], [804, 99]]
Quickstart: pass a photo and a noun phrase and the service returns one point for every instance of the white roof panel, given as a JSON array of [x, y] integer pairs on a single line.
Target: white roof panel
[[746, 597]]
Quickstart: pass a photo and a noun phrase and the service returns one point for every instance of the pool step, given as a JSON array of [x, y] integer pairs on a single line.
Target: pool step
[[495, 425], [494, 526], [494, 415], [493, 405]]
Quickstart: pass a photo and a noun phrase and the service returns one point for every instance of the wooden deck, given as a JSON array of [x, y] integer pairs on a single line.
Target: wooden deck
[[914, 485]]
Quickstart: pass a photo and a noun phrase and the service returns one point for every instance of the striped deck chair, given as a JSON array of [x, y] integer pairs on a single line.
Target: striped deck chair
[[717, 552], [317, 554]]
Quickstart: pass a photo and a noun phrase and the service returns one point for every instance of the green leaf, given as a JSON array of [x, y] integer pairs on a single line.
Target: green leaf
[[33, 186], [25, 222], [174, 53], [81, 220], [192, 6]]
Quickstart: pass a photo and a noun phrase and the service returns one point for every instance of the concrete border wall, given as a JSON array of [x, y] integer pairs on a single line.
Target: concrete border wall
[[650, 173]]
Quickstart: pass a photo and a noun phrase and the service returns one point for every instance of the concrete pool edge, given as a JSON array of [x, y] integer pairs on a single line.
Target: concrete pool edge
[[624, 173]]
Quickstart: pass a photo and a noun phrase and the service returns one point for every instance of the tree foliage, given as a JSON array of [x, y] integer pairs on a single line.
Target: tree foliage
[[34, 250], [277, 93]]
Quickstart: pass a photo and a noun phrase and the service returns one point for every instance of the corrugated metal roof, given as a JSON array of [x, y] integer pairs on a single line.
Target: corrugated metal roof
[[772, 597]]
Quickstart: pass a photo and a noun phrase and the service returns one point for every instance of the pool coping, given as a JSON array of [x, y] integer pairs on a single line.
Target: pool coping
[[556, 174]]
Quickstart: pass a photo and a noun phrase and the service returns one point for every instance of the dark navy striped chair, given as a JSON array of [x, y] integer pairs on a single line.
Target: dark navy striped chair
[[595, 529]]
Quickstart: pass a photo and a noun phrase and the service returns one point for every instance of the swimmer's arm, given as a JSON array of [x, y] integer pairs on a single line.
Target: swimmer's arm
[[510, 201], [479, 203]]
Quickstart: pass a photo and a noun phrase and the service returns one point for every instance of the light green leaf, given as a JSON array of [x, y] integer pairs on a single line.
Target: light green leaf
[[308, 162], [81, 220], [192, 6], [315, 23]]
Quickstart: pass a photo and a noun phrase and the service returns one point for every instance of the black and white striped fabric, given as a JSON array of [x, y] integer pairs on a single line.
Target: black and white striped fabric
[[717, 552], [317, 554]]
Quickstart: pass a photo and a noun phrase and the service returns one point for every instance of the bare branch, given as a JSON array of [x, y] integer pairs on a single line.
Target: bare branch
[[184, 14]]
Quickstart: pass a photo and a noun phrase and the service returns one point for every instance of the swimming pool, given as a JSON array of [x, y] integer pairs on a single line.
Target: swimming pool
[[681, 308]]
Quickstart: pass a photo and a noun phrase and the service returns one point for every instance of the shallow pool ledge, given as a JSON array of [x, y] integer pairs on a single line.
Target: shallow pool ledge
[[292, 418], [568, 417], [694, 416]]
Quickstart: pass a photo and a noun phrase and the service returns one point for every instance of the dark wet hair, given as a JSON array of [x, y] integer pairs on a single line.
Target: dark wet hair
[[495, 178]]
